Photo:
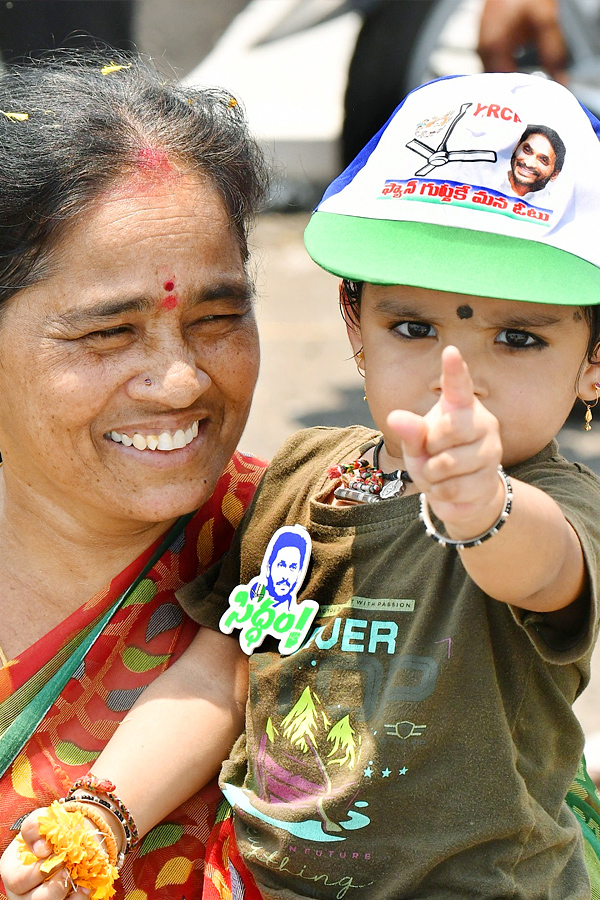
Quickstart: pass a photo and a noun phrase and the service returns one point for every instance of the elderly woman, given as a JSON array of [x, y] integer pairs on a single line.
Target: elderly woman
[[128, 358]]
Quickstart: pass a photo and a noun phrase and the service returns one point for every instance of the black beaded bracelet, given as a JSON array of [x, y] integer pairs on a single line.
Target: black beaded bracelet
[[425, 518]]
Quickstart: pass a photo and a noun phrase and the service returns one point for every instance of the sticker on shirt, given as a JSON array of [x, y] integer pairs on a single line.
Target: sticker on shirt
[[269, 604]]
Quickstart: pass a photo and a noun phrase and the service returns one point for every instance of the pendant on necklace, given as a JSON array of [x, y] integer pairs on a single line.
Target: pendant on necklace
[[393, 488]]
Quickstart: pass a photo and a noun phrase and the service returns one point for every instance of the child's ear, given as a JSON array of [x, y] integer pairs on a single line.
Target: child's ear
[[589, 377], [354, 337], [350, 318]]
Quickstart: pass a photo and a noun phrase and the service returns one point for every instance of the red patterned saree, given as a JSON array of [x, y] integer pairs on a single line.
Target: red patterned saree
[[146, 635]]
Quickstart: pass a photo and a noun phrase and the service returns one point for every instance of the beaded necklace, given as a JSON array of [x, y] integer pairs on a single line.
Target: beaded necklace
[[365, 483]]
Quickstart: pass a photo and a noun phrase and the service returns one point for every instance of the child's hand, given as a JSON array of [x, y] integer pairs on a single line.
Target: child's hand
[[453, 453], [28, 882]]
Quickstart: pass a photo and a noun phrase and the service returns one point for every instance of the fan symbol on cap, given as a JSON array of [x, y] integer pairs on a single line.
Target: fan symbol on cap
[[439, 156]]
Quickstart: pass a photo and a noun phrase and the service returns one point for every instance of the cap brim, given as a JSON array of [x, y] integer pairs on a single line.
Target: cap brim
[[442, 258]]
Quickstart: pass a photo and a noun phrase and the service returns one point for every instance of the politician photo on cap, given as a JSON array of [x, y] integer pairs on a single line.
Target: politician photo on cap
[[536, 161]]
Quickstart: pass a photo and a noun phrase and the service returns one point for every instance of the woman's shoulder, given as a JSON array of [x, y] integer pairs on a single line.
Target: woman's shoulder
[[223, 511], [242, 474]]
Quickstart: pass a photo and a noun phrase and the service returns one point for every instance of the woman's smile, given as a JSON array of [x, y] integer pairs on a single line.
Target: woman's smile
[[158, 440]]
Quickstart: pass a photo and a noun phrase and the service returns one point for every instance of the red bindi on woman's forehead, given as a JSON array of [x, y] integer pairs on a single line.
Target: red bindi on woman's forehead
[[171, 300]]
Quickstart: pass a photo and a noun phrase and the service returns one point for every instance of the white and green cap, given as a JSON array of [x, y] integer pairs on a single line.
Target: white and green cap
[[478, 184]]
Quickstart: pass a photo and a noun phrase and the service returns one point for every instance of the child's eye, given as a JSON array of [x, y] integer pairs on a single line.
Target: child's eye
[[514, 338], [415, 329]]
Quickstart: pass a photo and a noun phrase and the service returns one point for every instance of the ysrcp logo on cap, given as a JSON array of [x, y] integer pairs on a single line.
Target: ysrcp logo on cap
[[441, 155]]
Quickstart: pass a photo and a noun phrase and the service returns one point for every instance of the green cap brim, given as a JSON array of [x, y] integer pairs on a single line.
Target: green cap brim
[[442, 258]]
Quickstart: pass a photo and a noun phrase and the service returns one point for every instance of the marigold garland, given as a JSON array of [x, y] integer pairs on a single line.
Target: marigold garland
[[74, 847]]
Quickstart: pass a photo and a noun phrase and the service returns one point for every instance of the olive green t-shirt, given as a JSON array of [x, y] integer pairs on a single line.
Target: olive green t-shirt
[[421, 742]]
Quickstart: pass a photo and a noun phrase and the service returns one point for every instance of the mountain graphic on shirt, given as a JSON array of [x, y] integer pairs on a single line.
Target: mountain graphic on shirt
[[297, 761]]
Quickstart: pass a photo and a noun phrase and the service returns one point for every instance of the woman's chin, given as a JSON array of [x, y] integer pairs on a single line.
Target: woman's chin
[[157, 486], [165, 506], [162, 493]]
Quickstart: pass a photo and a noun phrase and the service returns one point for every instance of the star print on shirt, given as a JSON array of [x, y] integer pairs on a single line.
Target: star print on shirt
[[386, 773]]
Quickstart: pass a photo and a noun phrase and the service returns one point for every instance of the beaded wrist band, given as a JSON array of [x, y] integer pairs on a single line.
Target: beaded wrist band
[[103, 793], [425, 518]]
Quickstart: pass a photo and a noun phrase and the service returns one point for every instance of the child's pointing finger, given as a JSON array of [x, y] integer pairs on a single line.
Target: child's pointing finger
[[457, 386]]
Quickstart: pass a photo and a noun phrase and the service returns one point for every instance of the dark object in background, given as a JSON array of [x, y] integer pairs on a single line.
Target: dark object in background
[[32, 27], [377, 74]]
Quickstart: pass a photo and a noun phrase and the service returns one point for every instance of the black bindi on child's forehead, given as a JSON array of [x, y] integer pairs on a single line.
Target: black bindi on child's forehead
[[464, 312]]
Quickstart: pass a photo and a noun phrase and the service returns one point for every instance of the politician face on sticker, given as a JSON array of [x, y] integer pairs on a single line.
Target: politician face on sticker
[[536, 160], [268, 603], [285, 565]]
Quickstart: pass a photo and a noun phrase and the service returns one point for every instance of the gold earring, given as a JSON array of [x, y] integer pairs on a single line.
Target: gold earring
[[359, 357], [589, 408]]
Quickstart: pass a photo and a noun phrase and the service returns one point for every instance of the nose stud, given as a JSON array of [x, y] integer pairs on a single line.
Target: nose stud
[[147, 381]]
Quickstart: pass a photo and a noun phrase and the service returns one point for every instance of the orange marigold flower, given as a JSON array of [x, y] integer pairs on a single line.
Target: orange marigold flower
[[74, 847]]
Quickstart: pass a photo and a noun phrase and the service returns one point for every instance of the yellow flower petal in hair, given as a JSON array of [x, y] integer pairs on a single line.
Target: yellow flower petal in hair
[[113, 67], [15, 116], [74, 847]]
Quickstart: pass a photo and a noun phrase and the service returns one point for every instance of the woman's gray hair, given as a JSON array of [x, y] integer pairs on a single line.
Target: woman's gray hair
[[73, 124]]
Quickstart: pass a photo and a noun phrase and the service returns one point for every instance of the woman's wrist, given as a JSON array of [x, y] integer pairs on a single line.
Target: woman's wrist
[[101, 793], [81, 843]]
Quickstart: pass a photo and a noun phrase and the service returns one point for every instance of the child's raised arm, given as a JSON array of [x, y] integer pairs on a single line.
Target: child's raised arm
[[535, 561], [170, 744]]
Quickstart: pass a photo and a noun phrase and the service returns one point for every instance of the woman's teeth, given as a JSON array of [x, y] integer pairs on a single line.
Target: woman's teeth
[[166, 440]]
